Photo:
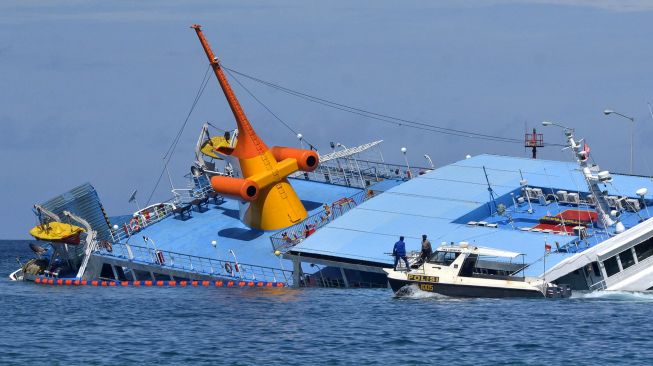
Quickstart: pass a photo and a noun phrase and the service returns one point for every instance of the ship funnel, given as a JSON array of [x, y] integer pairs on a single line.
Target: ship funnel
[[271, 202]]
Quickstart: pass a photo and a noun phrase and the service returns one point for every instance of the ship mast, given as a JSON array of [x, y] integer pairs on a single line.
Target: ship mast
[[268, 200], [249, 144], [581, 154]]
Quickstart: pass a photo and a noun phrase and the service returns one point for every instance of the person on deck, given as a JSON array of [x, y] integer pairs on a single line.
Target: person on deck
[[427, 251], [399, 252]]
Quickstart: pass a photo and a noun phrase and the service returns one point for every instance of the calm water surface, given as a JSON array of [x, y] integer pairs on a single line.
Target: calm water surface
[[86, 325]]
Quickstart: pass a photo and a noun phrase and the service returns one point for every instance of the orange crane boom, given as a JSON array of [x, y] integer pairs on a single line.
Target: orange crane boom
[[249, 144], [269, 201]]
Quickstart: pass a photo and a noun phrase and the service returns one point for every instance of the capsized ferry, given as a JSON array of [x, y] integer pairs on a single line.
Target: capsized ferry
[[465, 270], [261, 216], [216, 230]]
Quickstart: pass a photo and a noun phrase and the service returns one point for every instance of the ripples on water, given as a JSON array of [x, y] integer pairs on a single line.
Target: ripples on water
[[87, 325]]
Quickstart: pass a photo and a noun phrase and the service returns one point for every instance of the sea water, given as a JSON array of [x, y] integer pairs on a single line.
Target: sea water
[[148, 325]]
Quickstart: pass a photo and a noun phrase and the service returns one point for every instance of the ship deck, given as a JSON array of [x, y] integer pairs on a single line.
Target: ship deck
[[445, 203], [193, 236]]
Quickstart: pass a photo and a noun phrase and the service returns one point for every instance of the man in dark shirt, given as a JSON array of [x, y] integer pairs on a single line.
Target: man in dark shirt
[[399, 251], [427, 251]]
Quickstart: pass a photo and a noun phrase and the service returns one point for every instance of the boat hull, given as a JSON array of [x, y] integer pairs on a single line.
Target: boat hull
[[466, 290]]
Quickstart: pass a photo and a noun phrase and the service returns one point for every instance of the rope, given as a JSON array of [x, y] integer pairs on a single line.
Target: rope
[[265, 106], [381, 117], [168, 155]]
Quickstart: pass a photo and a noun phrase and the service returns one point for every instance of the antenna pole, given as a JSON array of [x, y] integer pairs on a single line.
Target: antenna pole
[[544, 261], [534, 141], [169, 178], [489, 188], [602, 206]]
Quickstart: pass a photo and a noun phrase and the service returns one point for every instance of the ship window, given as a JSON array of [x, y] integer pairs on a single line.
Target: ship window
[[445, 258], [595, 269], [467, 270], [611, 266], [627, 259], [644, 250]]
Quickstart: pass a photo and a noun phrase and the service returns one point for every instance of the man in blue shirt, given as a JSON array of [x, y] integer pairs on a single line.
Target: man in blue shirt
[[399, 251]]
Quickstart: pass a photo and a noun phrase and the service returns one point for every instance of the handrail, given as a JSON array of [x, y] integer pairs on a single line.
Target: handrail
[[287, 238], [141, 221], [360, 174], [159, 211], [196, 264]]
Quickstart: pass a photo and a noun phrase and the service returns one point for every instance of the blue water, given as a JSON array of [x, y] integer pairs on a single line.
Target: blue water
[[95, 325]]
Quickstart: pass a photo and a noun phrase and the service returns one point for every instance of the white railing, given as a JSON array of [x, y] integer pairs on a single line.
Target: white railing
[[142, 219], [358, 173], [283, 240], [159, 211], [187, 195], [200, 265]]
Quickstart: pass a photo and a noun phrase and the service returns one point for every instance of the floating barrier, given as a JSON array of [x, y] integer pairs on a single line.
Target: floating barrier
[[243, 284]]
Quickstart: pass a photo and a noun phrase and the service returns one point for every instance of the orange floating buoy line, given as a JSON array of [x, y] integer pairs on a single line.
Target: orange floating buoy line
[[193, 283]]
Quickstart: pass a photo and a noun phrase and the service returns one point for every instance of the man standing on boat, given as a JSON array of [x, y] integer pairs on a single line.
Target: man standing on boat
[[427, 251], [399, 252]]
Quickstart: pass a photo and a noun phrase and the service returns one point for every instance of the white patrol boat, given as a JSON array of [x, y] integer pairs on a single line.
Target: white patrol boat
[[465, 270]]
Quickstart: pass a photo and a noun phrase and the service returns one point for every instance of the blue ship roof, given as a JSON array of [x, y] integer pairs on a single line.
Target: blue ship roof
[[221, 223], [441, 202]]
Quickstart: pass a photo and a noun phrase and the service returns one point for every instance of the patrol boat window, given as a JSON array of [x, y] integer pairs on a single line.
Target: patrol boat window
[[467, 269], [444, 258]]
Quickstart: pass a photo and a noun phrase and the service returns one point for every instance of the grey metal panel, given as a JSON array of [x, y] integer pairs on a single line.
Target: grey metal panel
[[82, 201]]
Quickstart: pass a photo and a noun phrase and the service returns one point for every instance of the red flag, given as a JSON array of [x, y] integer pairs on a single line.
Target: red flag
[[547, 247]]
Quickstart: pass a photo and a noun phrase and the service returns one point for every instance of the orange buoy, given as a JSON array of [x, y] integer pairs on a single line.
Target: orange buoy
[[193, 283], [93, 283], [182, 283], [159, 283], [205, 283], [69, 282], [172, 283], [148, 283], [218, 283], [137, 283], [250, 284], [37, 280], [124, 283], [230, 283], [59, 282]]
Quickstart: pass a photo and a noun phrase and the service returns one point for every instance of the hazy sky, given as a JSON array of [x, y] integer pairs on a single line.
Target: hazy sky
[[96, 91]]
